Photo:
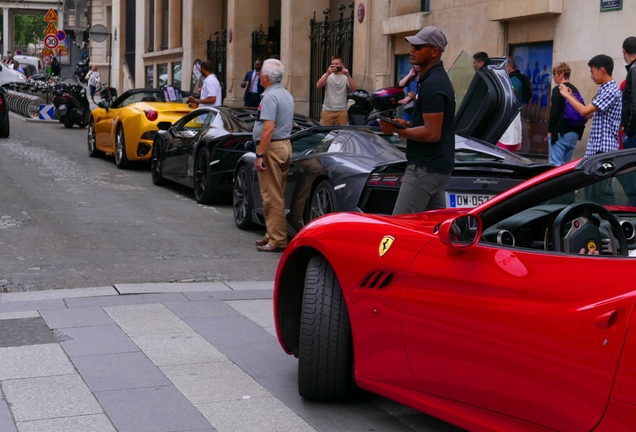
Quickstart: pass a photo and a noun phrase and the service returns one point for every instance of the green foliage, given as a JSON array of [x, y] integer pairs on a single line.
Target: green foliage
[[29, 29]]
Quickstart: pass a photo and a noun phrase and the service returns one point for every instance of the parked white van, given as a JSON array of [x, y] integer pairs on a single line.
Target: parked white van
[[8, 75], [32, 60]]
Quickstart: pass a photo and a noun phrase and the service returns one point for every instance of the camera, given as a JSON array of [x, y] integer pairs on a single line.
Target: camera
[[339, 68]]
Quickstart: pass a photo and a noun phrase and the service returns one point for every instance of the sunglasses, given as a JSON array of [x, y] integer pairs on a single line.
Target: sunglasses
[[419, 47]]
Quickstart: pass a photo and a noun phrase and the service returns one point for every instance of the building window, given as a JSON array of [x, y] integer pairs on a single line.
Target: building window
[[425, 5], [149, 76], [165, 23], [151, 26], [176, 74], [162, 74]]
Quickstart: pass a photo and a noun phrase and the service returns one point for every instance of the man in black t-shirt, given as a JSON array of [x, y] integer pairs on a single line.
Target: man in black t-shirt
[[430, 145]]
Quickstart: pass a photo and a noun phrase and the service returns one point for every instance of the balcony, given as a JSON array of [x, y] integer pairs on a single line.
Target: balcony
[[510, 10]]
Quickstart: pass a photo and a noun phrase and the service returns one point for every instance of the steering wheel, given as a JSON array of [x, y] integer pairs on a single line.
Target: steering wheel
[[584, 232]]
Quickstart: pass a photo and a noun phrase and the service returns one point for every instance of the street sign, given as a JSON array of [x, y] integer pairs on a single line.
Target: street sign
[[47, 59], [47, 51], [50, 41], [99, 33], [47, 112], [51, 29], [61, 35], [51, 15]]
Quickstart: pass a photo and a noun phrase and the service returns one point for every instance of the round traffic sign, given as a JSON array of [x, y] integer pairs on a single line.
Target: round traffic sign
[[51, 41], [47, 59], [99, 33]]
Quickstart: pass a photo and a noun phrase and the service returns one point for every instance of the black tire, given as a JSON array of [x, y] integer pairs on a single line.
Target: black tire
[[68, 123], [242, 199], [92, 143], [5, 128], [121, 160], [325, 357], [323, 201], [156, 165], [203, 191]]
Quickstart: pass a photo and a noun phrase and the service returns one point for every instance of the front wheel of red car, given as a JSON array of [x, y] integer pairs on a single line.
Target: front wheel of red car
[[325, 355]]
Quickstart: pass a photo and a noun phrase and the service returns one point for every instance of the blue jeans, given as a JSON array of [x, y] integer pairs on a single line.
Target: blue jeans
[[561, 150]]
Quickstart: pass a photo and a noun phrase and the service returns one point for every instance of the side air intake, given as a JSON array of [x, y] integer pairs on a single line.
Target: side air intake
[[378, 280]]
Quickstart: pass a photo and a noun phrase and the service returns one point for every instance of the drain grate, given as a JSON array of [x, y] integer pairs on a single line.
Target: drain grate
[[27, 331]]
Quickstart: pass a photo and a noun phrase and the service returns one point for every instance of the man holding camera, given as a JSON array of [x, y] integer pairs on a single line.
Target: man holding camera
[[337, 83]]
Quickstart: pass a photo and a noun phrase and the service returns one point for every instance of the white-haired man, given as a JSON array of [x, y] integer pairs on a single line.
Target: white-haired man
[[274, 121]]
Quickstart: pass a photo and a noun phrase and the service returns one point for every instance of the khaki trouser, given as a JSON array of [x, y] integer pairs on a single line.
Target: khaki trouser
[[334, 118], [273, 179]]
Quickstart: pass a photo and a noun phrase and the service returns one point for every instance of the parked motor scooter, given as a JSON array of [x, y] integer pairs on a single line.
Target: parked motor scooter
[[361, 108], [71, 104], [82, 68], [366, 108]]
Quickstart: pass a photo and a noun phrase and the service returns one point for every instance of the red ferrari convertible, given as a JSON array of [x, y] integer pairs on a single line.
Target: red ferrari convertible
[[514, 315]]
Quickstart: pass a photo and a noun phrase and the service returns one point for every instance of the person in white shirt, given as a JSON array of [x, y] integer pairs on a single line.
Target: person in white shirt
[[211, 90], [93, 79], [337, 83]]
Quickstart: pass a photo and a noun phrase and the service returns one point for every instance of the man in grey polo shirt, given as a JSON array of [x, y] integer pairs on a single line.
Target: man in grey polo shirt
[[274, 120]]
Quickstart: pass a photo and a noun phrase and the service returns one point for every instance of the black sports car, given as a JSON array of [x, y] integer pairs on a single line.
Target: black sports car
[[356, 169], [202, 148]]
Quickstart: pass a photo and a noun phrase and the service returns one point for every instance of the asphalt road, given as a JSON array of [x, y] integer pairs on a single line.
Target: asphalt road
[[69, 221]]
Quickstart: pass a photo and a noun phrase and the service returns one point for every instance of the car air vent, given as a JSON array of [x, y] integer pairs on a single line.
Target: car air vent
[[628, 228], [506, 238], [378, 280]]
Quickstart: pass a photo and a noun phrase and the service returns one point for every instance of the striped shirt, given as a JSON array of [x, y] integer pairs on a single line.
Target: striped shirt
[[606, 120]]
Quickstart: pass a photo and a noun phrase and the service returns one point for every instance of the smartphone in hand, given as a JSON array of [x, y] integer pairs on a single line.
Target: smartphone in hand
[[392, 121]]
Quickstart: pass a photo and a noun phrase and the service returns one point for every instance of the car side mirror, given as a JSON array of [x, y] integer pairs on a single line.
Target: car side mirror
[[460, 232], [164, 125], [104, 104]]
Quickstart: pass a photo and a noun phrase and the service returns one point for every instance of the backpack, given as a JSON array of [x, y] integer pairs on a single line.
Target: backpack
[[526, 86], [571, 116]]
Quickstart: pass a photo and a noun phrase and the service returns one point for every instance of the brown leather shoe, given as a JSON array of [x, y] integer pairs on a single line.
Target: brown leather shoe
[[261, 242], [269, 248]]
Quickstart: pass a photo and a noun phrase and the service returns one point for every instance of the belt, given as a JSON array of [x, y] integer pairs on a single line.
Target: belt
[[273, 140]]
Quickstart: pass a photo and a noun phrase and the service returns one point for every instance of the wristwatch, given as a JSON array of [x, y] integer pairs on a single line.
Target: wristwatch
[[259, 156]]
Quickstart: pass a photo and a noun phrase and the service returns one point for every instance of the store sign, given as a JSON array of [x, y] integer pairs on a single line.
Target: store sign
[[611, 5]]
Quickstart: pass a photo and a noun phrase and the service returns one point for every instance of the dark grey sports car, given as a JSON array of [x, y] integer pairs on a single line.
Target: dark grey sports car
[[357, 169], [201, 149]]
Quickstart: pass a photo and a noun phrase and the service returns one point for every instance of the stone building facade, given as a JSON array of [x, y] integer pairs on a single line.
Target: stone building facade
[[156, 41]]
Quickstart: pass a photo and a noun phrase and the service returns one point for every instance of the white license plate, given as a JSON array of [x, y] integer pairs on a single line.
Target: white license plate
[[62, 109], [454, 200]]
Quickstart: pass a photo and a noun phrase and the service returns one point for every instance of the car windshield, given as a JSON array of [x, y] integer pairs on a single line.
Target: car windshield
[[617, 191], [357, 142], [590, 210]]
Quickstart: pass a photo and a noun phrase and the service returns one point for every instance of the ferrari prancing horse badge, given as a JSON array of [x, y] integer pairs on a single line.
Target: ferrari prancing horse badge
[[385, 244]]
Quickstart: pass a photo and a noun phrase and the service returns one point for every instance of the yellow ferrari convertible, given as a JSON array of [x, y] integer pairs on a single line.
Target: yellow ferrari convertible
[[127, 126]]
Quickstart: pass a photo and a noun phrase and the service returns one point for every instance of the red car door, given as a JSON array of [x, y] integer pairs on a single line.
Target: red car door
[[531, 334]]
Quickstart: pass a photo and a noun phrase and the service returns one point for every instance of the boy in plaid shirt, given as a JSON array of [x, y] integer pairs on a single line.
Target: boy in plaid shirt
[[605, 110]]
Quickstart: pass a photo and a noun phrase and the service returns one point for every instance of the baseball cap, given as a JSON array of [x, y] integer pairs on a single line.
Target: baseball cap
[[429, 35]]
